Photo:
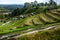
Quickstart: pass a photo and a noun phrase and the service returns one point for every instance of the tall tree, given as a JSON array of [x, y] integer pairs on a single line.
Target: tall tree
[[26, 4], [46, 4], [16, 12], [35, 3], [52, 2]]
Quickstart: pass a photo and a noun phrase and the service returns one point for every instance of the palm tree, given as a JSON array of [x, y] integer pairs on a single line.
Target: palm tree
[[26, 4], [46, 4], [52, 2], [35, 2], [16, 12]]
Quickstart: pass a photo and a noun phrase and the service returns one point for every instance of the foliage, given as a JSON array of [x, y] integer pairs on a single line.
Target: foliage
[[52, 34]]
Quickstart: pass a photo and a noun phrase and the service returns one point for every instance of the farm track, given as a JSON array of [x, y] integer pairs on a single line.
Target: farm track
[[6, 23], [18, 35], [52, 27]]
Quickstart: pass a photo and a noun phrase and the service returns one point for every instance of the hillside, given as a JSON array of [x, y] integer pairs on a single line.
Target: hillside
[[48, 33], [52, 34], [11, 6], [33, 22]]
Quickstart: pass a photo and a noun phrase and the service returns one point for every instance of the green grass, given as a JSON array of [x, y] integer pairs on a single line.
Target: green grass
[[54, 11], [53, 16], [52, 34], [45, 18], [20, 25], [14, 30], [35, 22], [6, 28]]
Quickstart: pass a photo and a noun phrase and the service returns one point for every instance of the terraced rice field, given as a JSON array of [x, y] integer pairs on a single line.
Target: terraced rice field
[[29, 22], [52, 34]]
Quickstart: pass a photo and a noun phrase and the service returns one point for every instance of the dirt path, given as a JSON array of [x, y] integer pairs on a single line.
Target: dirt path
[[34, 31], [6, 23], [17, 35]]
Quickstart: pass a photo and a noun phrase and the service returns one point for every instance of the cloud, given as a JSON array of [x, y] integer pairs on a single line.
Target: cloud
[[17, 1], [21, 1]]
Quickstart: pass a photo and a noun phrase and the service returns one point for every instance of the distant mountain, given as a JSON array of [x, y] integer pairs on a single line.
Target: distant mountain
[[11, 6]]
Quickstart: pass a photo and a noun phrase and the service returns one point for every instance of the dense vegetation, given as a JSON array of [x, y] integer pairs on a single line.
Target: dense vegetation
[[35, 16], [52, 34]]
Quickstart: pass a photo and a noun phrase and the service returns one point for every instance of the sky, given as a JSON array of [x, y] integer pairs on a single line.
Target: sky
[[22, 1]]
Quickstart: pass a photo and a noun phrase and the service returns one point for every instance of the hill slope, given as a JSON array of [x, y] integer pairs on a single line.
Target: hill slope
[[33, 21]]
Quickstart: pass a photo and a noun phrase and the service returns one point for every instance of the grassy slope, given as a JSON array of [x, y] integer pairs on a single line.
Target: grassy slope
[[53, 16], [18, 25], [13, 26], [45, 18], [52, 34]]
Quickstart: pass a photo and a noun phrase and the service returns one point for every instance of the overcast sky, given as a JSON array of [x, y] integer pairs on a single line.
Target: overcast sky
[[22, 1]]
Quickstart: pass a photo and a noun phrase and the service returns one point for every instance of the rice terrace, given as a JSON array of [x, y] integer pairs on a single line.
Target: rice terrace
[[30, 21]]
